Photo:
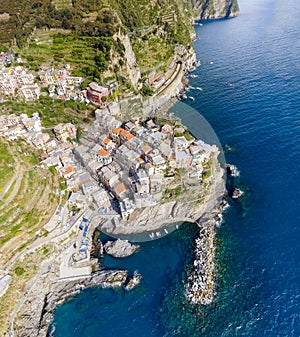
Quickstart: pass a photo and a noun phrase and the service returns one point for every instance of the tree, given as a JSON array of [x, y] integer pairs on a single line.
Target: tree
[[78, 133]]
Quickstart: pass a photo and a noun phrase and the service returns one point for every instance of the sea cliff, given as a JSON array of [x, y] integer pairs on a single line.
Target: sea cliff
[[216, 9]]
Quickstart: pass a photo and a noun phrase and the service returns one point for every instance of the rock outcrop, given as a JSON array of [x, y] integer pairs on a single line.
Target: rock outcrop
[[120, 248], [216, 9], [65, 289], [133, 281], [133, 71]]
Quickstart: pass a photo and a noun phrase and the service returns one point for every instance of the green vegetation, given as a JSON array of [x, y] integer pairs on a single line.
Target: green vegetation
[[24, 205], [146, 91], [51, 111], [19, 271], [6, 165], [207, 169], [186, 134], [21, 274], [172, 193], [9, 191], [206, 175], [78, 133], [84, 34]]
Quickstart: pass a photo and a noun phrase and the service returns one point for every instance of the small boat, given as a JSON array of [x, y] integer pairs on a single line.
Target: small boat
[[199, 88], [211, 62], [166, 231], [191, 98], [151, 235], [158, 234], [194, 76], [184, 96]]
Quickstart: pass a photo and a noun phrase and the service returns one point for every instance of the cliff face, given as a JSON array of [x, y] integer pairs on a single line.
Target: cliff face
[[216, 9], [198, 201]]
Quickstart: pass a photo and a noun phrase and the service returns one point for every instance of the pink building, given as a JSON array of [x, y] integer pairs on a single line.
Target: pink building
[[95, 92]]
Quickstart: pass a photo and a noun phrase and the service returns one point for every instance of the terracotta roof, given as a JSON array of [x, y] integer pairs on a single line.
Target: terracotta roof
[[69, 169], [120, 188], [146, 148], [103, 153], [118, 130], [43, 155], [106, 140], [126, 134], [129, 136]]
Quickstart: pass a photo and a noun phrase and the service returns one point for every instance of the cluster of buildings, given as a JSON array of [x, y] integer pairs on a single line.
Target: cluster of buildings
[[58, 152], [13, 127], [61, 84], [28, 128], [81, 185], [18, 82], [133, 162], [117, 166]]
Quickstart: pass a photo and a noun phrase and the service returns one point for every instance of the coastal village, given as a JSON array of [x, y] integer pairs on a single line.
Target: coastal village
[[80, 159], [116, 166], [113, 169]]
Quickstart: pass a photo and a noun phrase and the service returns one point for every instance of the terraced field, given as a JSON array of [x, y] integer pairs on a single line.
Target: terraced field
[[61, 4], [27, 198], [57, 47]]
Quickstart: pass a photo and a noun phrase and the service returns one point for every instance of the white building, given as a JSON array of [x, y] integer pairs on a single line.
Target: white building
[[103, 157], [127, 207], [33, 124]]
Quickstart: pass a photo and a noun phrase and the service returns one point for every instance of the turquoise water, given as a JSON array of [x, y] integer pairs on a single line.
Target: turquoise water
[[251, 98]]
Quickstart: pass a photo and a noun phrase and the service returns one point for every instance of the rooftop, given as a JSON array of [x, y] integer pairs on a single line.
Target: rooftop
[[96, 87], [103, 153]]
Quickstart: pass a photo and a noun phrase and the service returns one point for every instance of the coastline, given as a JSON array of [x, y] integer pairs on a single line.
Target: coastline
[[38, 324]]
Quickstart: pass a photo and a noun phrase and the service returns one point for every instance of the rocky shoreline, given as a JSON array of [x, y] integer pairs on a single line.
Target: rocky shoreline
[[66, 289]]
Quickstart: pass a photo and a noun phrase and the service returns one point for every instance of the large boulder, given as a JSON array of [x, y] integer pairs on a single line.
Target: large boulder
[[120, 248]]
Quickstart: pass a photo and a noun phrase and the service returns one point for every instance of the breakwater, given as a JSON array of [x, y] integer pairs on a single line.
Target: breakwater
[[201, 286]]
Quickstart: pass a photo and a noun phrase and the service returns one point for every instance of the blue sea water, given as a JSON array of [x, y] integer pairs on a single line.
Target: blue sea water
[[251, 98]]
